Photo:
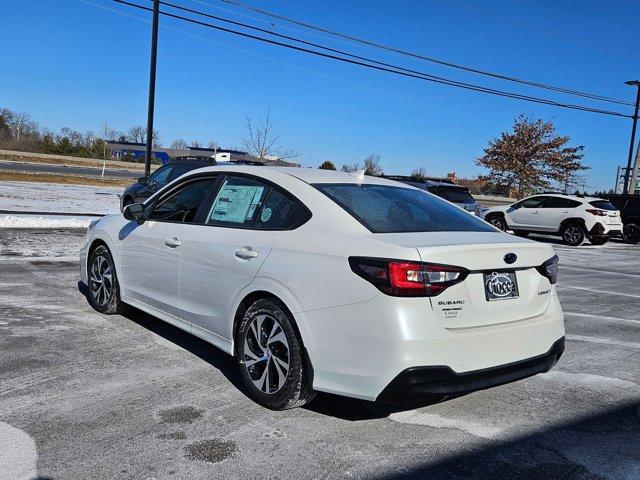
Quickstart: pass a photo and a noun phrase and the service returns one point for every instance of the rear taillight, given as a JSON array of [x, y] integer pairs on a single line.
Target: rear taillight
[[549, 269], [596, 212], [407, 279]]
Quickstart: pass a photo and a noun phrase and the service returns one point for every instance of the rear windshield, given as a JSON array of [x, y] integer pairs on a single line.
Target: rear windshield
[[603, 205], [456, 195], [390, 209]]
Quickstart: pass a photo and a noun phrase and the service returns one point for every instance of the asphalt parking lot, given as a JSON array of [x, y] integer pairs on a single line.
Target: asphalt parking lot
[[87, 396]]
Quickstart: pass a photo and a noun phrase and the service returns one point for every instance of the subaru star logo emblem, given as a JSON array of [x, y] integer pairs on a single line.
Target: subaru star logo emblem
[[510, 258]]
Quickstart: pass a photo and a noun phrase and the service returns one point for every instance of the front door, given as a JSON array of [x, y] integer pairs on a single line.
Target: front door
[[527, 214], [150, 253], [554, 212]]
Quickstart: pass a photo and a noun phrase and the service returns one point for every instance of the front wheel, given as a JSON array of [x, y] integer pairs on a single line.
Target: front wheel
[[498, 222], [271, 358], [573, 234], [631, 233], [104, 290]]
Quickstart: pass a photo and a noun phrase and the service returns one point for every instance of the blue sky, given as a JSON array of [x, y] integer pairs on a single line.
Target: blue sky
[[69, 63]]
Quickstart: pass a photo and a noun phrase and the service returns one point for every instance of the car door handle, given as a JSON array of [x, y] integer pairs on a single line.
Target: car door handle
[[536, 211], [565, 211], [172, 242], [246, 253]]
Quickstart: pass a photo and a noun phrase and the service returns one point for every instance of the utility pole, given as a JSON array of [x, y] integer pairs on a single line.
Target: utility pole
[[634, 174], [635, 83], [152, 86]]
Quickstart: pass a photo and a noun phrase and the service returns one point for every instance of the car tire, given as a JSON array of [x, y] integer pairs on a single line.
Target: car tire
[[631, 233], [273, 365], [497, 221], [573, 234], [521, 233], [598, 239], [103, 289]]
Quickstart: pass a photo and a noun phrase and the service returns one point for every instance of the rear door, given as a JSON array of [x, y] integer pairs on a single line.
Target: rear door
[[244, 218], [526, 213], [150, 253], [555, 211]]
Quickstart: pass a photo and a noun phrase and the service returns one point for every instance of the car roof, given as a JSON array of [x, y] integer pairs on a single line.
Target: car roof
[[307, 175], [579, 198]]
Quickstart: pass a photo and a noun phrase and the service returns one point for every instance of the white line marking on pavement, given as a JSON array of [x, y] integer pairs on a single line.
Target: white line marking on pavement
[[603, 341], [590, 271], [626, 321], [438, 421], [608, 292], [18, 454], [588, 380]]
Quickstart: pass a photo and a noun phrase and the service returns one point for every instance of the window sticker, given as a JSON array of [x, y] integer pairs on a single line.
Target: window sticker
[[235, 203], [265, 215]]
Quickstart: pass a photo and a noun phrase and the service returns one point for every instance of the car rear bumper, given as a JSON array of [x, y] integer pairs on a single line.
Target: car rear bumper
[[606, 229], [359, 349], [417, 383]]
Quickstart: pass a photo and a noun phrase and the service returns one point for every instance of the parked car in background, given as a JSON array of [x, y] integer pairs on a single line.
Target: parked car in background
[[451, 192], [147, 186], [629, 206], [574, 218], [317, 280]]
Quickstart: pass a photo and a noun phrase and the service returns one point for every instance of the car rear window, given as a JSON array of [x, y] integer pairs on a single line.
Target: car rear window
[[602, 205], [390, 209], [456, 195]]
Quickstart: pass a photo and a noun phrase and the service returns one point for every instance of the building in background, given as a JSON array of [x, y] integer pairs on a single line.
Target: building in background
[[133, 151]]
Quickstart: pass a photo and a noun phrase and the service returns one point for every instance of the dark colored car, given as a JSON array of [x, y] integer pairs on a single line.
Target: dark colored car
[[147, 186], [451, 192], [629, 206]]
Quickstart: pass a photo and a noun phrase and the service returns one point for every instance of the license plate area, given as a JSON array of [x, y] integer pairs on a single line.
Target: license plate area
[[500, 286]]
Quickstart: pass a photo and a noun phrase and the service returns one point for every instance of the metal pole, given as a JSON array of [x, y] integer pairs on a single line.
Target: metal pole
[[634, 172], [152, 86], [625, 190]]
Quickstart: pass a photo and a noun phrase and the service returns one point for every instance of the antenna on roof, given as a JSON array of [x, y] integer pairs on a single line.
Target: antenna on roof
[[359, 174]]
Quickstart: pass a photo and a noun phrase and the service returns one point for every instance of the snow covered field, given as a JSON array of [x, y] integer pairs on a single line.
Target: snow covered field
[[51, 197], [55, 198]]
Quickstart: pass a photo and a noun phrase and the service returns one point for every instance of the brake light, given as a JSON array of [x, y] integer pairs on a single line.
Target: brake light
[[596, 212], [407, 279], [549, 269]]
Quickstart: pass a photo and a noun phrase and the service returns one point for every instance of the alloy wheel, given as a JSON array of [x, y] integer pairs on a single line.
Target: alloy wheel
[[632, 233], [101, 280], [573, 235], [497, 222], [266, 354]]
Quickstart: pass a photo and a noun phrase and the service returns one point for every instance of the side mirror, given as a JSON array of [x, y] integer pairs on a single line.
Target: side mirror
[[142, 180], [134, 212]]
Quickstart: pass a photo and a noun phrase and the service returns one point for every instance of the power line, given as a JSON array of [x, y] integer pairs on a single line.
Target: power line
[[446, 63], [391, 69]]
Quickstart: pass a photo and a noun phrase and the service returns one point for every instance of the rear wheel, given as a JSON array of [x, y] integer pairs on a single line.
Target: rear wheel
[[573, 234], [103, 289], [598, 240], [498, 222], [631, 233], [271, 358]]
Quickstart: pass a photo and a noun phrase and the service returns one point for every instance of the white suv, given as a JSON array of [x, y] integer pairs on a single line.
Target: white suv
[[572, 217]]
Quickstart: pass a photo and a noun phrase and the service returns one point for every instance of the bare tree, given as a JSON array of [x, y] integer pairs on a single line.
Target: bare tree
[[213, 145], [179, 144], [372, 165], [19, 123], [138, 134], [351, 167], [261, 141], [419, 173]]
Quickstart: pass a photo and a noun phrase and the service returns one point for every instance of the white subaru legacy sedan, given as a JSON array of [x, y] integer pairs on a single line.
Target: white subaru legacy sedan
[[325, 281]]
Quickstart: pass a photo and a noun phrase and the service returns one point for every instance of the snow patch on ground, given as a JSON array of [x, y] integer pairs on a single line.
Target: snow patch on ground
[[53, 197], [437, 421], [18, 455], [42, 221]]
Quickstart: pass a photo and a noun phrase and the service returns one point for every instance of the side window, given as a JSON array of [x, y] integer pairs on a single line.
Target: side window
[[534, 202], [280, 212], [558, 202], [237, 202], [161, 175], [181, 206], [572, 203]]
